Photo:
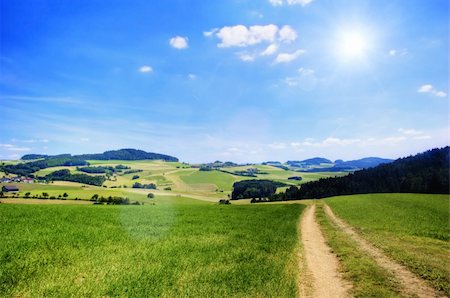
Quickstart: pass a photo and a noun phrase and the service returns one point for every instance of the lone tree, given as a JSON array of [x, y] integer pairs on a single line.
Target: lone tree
[[150, 195], [65, 195]]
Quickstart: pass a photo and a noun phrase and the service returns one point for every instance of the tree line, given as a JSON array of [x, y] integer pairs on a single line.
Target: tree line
[[427, 172]]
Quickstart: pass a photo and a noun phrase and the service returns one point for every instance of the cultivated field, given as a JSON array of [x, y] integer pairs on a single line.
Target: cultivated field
[[171, 178]]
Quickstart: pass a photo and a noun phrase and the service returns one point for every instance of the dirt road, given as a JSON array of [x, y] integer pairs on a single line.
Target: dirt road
[[322, 264]]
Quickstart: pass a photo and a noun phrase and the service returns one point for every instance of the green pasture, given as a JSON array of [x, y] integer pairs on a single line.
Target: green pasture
[[175, 248], [75, 190], [367, 277], [219, 179], [411, 228]]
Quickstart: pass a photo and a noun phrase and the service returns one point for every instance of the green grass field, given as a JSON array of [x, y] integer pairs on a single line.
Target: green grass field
[[177, 247], [368, 279], [411, 228], [220, 180]]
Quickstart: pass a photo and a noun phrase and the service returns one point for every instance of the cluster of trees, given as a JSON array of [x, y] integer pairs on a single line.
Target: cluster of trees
[[250, 172], [97, 170], [254, 189], [216, 165], [112, 200], [27, 169], [33, 156], [426, 172], [146, 186], [132, 171], [43, 196], [65, 175]]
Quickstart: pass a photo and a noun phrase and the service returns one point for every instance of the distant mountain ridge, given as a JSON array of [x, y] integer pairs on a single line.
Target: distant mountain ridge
[[320, 164], [121, 154], [315, 161], [353, 165]]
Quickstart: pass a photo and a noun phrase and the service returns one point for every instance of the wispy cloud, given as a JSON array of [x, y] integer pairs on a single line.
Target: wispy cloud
[[145, 69], [290, 2], [288, 57], [270, 50], [14, 148], [211, 32], [305, 78], [247, 57], [49, 99], [398, 52], [428, 88], [30, 140]]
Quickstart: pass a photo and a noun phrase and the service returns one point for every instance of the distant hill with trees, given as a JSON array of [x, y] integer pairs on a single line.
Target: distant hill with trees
[[127, 154], [427, 172], [121, 154], [352, 165], [46, 161], [316, 161]]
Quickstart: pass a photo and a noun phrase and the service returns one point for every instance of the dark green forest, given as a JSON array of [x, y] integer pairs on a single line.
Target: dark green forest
[[427, 172], [65, 175]]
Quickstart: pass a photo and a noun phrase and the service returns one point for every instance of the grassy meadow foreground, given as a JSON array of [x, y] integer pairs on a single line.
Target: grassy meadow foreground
[[412, 229], [176, 247]]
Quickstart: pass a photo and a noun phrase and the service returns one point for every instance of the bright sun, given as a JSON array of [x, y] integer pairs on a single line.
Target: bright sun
[[352, 44]]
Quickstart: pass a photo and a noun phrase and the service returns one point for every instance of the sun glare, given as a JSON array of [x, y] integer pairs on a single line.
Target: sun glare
[[352, 44]]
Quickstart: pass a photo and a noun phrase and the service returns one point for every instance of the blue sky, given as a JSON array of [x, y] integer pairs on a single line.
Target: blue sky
[[239, 80]]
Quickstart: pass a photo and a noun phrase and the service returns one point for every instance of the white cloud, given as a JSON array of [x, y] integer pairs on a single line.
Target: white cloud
[[301, 2], [425, 88], [398, 52], [84, 139], [305, 78], [305, 71], [30, 140], [278, 146], [270, 50], [145, 68], [287, 34], [440, 94], [179, 42], [276, 2], [247, 57], [290, 2], [211, 32], [241, 36], [410, 131], [192, 76], [288, 57], [431, 90], [11, 147]]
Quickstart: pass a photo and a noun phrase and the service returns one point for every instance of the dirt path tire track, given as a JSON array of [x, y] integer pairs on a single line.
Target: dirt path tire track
[[322, 264], [412, 285]]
